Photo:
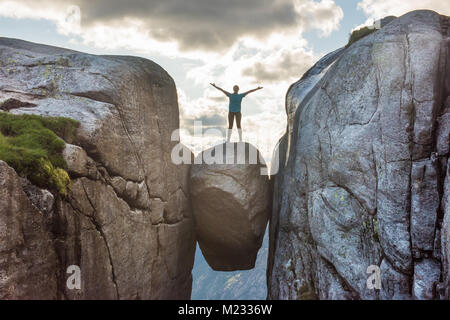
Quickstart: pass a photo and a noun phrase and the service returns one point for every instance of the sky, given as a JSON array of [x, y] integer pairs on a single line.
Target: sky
[[268, 43]]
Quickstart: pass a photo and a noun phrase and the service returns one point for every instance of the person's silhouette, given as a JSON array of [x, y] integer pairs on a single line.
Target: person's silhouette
[[234, 110]]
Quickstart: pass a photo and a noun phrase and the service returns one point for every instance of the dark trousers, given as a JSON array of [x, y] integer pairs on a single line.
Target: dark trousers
[[231, 116]]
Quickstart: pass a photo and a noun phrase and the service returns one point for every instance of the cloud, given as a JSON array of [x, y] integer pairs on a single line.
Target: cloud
[[279, 60], [324, 16], [249, 43], [274, 64], [208, 25], [281, 66], [207, 109], [262, 127], [381, 8]]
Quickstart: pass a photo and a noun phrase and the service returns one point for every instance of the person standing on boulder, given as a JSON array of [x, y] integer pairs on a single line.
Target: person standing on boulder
[[235, 108]]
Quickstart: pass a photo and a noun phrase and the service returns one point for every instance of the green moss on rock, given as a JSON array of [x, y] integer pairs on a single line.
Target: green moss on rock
[[359, 34], [30, 144]]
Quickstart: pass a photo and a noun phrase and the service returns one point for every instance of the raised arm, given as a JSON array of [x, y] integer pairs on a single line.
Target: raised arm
[[218, 88], [253, 90]]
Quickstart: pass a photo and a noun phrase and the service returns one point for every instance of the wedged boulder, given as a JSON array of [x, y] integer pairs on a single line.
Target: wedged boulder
[[362, 171], [127, 222], [231, 203]]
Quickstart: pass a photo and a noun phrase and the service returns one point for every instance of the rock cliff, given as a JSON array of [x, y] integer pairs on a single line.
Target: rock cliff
[[28, 261], [127, 221], [364, 174]]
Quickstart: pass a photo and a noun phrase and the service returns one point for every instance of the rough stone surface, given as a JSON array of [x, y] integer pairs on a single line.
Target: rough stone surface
[[362, 170], [78, 162], [42, 199], [28, 263], [443, 133], [395, 285], [424, 205], [127, 222], [231, 205], [426, 276], [445, 234]]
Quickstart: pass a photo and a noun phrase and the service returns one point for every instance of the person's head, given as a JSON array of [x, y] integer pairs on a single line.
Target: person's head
[[236, 89]]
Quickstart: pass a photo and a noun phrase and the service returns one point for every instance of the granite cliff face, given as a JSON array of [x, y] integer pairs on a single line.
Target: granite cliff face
[[127, 222], [364, 170], [28, 261]]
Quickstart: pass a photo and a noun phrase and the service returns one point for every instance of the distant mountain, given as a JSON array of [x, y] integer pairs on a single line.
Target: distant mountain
[[238, 285]]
